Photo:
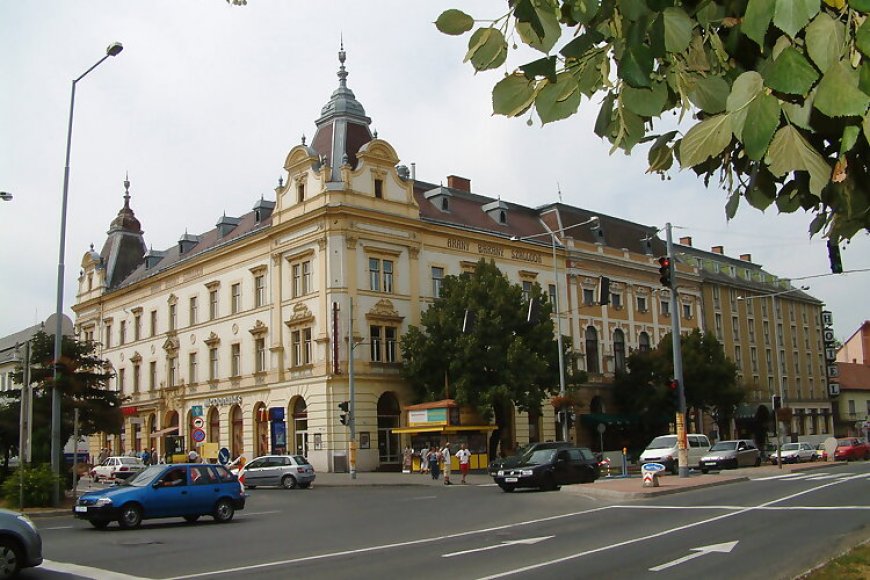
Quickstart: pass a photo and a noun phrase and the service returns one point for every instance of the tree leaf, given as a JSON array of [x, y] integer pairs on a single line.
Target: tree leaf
[[583, 11], [558, 101], [633, 10], [788, 200], [678, 29], [589, 77], [579, 45], [789, 151], [838, 94], [745, 88], [825, 37], [605, 116], [636, 65], [862, 38], [646, 102], [758, 198], [849, 138], [731, 205], [487, 49], [762, 119], [524, 11], [866, 126], [791, 16], [552, 30], [799, 113], [791, 73], [513, 95], [838, 4], [757, 19], [706, 139], [860, 5], [454, 22], [710, 94], [545, 67]]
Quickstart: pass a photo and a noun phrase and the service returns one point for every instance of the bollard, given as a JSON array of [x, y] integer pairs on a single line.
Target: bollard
[[650, 473]]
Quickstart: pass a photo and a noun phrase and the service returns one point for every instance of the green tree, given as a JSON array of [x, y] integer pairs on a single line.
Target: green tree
[[709, 377], [779, 90], [502, 360], [83, 383]]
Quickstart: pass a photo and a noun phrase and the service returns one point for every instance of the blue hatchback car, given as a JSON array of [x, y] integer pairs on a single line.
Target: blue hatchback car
[[186, 490]]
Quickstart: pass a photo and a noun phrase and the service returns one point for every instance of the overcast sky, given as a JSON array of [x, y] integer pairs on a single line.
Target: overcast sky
[[206, 100]]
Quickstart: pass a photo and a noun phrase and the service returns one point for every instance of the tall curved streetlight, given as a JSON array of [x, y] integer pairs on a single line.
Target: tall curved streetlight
[[552, 233], [113, 50]]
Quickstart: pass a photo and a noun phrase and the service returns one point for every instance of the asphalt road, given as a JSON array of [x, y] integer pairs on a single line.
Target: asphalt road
[[768, 527]]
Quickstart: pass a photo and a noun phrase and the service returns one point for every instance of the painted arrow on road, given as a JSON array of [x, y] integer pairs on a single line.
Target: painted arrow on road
[[723, 548], [527, 541]]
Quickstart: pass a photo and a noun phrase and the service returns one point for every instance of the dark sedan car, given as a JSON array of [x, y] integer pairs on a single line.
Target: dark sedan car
[[549, 469], [165, 491], [513, 460]]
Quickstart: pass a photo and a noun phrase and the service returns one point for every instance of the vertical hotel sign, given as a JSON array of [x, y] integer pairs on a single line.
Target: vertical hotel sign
[[832, 371]]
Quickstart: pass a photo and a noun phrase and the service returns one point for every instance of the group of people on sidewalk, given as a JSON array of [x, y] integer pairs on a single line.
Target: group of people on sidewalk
[[436, 460]]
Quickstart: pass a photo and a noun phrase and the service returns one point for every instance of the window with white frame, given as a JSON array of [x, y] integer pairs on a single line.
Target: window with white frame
[[616, 300], [301, 343], [380, 275], [236, 298], [666, 307], [122, 332], [687, 311], [193, 310], [137, 327], [301, 278], [173, 316], [152, 375], [122, 376], [137, 377], [588, 296], [527, 290], [192, 371], [213, 304], [641, 304], [437, 281], [260, 355], [152, 326], [236, 360], [213, 363], [259, 290], [172, 371], [108, 339]]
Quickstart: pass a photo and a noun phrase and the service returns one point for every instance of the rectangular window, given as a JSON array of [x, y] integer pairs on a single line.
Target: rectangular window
[[437, 281], [753, 357], [152, 376], [300, 193], [588, 296], [616, 300], [375, 343], [173, 317], [137, 378], [122, 332], [173, 371], [236, 358], [108, 336], [192, 374], [779, 334], [301, 279], [687, 311], [236, 298], [374, 275], [717, 319], [306, 277], [527, 290], [193, 310], [379, 188], [738, 356], [213, 363], [259, 290], [260, 355], [735, 328], [152, 327], [388, 276], [751, 325], [122, 375], [296, 339], [307, 352], [212, 304], [137, 327], [302, 353], [641, 304], [733, 299], [666, 307], [765, 328], [390, 344]]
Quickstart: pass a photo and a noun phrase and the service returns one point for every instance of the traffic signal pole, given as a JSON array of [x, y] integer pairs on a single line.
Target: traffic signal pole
[[682, 440], [352, 392]]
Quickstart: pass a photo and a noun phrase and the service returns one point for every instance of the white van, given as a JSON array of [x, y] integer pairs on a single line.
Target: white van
[[663, 449]]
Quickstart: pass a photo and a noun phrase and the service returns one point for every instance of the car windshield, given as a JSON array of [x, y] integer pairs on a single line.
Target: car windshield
[[664, 442], [540, 456], [146, 477], [724, 446], [791, 447], [129, 461], [300, 460], [844, 443]]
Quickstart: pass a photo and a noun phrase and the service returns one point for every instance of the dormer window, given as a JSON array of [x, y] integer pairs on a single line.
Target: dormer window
[[445, 204], [497, 210], [379, 188]]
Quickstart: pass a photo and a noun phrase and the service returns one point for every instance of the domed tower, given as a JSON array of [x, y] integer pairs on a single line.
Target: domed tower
[[343, 127], [125, 247]]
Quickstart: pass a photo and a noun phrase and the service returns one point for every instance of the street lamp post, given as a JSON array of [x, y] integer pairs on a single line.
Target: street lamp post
[[563, 420], [26, 424], [113, 50]]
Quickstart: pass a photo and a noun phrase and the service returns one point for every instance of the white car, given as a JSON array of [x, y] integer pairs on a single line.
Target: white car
[[795, 453], [117, 468]]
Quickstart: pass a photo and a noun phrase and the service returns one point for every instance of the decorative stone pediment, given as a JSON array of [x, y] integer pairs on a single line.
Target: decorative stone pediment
[[259, 329], [213, 339], [384, 310], [136, 358], [173, 299], [301, 316], [171, 345]]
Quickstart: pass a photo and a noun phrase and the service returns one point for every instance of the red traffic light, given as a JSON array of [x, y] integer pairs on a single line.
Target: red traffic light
[[665, 271], [674, 384]]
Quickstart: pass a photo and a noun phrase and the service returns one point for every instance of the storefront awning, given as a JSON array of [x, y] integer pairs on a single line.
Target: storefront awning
[[442, 429], [608, 419]]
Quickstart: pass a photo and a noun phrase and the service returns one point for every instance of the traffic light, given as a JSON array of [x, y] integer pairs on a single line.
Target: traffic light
[[344, 417], [674, 387], [571, 416], [665, 271], [834, 257], [604, 290]]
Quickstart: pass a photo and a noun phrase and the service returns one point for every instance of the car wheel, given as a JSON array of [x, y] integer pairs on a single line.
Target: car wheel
[[507, 488], [224, 511], [704, 470], [131, 517], [100, 524], [288, 482], [191, 519], [10, 558], [305, 485]]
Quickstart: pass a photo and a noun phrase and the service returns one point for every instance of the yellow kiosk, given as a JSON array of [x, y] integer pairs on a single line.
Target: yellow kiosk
[[444, 421]]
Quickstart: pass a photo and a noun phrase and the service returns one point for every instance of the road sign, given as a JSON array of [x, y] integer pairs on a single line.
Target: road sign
[[653, 467], [224, 456], [198, 435], [834, 389], [196, 410], [198, 422]]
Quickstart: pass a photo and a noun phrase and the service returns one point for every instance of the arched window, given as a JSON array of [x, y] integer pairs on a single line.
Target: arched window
[[618, 350], [389, 415], [237, 424], [261, 429], [643, 342], [214, 425], [592, 350]]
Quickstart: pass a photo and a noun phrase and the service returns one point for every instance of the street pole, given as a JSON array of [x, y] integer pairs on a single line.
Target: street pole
[[563, 412], [682, 441], [780, 426], [25, 428], [113, 50], [351, 423]]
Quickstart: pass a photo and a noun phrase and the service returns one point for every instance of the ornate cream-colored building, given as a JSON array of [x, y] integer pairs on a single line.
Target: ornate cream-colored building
[[239, 336]]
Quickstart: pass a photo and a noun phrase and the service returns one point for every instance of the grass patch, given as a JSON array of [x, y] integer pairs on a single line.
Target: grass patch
[[853, 565]]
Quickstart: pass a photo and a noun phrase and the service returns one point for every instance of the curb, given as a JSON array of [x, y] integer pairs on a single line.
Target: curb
[[653, 492]]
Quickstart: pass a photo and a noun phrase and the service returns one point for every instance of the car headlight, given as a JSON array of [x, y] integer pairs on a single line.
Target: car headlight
[[27, 521], [527, 472], [103, 501]]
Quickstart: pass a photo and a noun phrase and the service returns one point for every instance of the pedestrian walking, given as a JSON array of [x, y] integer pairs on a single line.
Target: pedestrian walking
[[464, 456], [407, 459], [104, 454], [146, 457], [154, 457], [433, 462], [424, 459], [445, 460]]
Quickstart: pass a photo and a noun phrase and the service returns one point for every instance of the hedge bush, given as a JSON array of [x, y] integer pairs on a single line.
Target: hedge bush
[[38, 486]]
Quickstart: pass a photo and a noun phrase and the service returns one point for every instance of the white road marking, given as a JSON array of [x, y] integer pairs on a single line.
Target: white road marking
[[784, 476], [832, 476], [57, 528], [526, 542], [243, 514], [86, 571], [700, 551]]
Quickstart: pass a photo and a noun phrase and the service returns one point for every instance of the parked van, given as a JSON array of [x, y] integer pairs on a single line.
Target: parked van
[[663, 449]]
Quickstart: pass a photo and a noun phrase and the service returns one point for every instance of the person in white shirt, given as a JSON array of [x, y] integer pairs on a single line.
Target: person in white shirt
[[446, 457], [464, 455]]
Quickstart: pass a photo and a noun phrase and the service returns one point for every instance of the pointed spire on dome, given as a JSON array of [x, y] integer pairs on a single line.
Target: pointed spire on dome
[[127, 190]]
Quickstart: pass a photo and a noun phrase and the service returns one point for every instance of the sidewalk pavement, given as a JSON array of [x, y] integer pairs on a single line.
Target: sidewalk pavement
[[615, 488]]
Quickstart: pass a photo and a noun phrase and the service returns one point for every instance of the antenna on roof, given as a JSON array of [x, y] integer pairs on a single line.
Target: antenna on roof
[[559, 191]]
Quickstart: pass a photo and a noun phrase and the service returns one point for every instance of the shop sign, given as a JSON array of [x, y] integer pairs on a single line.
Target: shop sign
[[223, 401]]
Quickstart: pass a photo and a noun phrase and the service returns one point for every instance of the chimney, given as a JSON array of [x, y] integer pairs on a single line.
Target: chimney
[[686, 241], [718, 250], [746, 257], [460, 183]]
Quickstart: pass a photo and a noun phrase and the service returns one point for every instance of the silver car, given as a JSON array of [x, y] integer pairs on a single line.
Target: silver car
[[20, 543], [288, 471], [735, 453]]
